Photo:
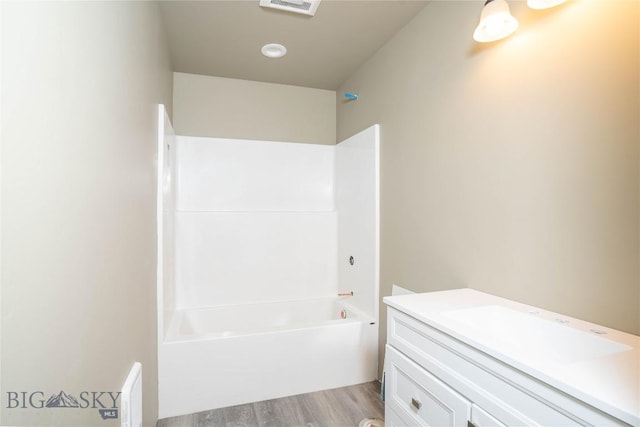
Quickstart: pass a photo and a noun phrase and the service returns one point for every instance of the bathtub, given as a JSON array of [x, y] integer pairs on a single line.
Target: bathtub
[[229, 355]]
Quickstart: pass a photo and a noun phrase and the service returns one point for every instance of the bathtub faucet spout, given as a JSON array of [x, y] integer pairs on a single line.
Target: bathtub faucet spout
[[345, 294]]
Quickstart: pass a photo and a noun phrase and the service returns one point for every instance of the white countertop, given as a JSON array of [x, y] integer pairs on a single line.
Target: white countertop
[[598, 365]]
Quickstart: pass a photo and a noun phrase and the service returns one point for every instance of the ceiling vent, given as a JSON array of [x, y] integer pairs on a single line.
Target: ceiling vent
[[306, 7]]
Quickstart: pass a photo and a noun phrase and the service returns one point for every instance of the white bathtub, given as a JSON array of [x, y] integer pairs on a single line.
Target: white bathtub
[[223, 356]]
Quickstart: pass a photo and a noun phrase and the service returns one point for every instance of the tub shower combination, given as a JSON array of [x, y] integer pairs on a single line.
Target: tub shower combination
[[268, 272]]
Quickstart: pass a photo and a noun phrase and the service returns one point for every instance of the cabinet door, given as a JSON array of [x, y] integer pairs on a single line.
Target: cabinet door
[[480, 418], [419, 398], [391, 419]]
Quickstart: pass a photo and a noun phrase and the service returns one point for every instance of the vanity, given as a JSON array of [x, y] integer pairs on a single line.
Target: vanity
[[466, 358]]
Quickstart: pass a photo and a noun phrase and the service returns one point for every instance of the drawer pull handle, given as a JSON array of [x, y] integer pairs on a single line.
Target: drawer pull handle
[[416, 403]]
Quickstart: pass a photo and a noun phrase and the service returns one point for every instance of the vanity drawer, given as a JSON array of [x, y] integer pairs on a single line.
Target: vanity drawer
[[419, 398], [480, 418]]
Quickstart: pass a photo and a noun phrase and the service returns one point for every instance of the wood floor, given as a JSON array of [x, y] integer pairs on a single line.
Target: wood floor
[[340, 407]]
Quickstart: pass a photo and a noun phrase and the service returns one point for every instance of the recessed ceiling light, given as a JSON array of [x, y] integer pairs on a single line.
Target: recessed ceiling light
[[273, 50]]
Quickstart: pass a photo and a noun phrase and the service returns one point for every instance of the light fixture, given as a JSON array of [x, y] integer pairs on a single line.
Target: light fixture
[[543, 4], [496, 22], [273, 50]]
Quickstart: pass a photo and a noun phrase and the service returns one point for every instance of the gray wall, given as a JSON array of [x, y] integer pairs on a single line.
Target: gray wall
[[511, 168], [231, 108], [80, 81]]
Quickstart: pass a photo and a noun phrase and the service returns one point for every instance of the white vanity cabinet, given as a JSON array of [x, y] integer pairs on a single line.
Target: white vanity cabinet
[[422, 399], [440, 371], [419, 397]]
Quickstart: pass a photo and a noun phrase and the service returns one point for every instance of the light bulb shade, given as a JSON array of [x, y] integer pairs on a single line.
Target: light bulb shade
[[496, 22], [273, 50], [543, 4]]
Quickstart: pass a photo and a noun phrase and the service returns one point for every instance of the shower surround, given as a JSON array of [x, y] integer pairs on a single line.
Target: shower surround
[[257, 239]]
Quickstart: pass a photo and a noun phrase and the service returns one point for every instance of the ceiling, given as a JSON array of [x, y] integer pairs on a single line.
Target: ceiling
[[223, 38]]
